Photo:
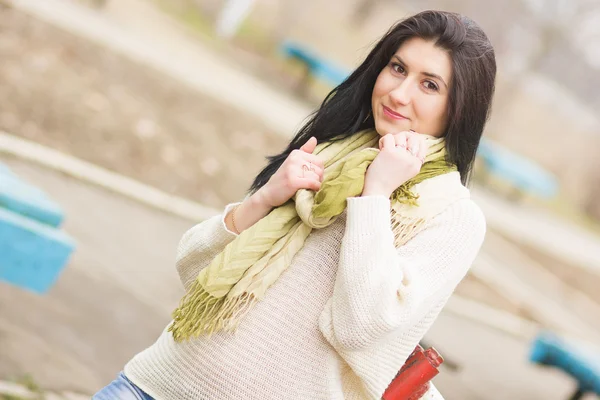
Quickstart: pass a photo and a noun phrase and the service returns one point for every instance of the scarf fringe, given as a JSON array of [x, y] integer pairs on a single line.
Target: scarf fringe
[[405, 196], [201, 313], [405, 228]]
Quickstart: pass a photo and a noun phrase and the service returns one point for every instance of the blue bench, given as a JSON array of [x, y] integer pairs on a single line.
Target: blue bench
[[580, 362], [27, 200], [315, 65], [33, 250], [522, 173]]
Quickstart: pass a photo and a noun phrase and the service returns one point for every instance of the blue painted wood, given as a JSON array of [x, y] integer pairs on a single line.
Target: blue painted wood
[[582, 362], [25, 199], [32, 254], [519, 171], [318, 66]]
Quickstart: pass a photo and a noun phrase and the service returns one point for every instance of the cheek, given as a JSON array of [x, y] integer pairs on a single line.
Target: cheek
[[439, 116], [379, 90], [441, 112], [431, 109], [435, 115]]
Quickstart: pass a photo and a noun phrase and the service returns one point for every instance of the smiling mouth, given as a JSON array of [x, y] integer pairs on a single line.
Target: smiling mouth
[[392, 114]]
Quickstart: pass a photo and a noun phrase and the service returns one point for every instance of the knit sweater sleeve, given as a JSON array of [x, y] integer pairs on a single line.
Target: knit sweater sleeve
[[382, 295], [201, 244]]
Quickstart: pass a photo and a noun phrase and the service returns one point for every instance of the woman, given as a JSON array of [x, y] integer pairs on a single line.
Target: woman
[[324, 279]]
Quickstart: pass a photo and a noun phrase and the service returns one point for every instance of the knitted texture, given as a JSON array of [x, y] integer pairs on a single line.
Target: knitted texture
[[369, 304], [241, 274]]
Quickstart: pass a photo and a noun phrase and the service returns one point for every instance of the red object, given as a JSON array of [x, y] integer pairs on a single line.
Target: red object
[[413, 379], [419, 392]]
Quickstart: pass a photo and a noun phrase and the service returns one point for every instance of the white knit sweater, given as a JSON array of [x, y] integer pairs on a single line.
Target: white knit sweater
[[338, 324]]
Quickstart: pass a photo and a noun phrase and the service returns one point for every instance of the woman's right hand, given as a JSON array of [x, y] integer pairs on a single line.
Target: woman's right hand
[[300, 170], [400, 158]]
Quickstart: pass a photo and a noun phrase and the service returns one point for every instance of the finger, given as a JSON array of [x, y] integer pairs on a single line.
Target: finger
[[401, 139], [413, 144], [424, 148], [305, 171], [314, 169], [312, 175], [381, 140], [388, 142], [310, 145], [309, 182], [311, 158], [318, 171]]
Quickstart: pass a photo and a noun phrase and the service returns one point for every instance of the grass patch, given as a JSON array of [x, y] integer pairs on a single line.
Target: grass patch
[[189, 15], [250, 35], [27, 382]]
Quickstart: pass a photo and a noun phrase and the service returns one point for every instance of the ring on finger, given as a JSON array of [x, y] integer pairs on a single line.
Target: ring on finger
[[305, 168]]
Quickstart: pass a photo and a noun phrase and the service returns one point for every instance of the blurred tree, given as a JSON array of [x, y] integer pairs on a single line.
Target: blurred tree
[[231, 17], [556, 24], [363, 10], [592, 205]]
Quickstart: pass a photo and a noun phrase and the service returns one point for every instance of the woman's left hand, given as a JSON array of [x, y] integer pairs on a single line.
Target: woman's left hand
[[400, 158]]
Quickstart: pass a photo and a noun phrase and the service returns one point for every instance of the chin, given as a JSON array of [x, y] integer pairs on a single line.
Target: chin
[[384, 127]]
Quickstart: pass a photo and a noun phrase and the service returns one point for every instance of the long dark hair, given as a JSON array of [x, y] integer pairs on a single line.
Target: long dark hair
[[347, 108]]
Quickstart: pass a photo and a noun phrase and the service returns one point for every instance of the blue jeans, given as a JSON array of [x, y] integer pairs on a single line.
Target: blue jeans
[[121, 389]]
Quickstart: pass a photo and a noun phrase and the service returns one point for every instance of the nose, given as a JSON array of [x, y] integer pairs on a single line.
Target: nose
[[402, 92]]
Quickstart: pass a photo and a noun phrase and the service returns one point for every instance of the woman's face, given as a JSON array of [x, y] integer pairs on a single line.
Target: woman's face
[[411, 92]]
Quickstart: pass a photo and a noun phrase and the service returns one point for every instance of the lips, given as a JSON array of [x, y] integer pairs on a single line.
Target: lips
[[392, 114]]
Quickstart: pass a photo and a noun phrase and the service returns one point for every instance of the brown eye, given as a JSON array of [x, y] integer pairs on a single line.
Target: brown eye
[[398, 68], [429, 85]]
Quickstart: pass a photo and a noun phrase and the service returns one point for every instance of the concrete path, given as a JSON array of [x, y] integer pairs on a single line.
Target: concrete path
[[113, 299], [492, 365], [535, 227], [120, 286]]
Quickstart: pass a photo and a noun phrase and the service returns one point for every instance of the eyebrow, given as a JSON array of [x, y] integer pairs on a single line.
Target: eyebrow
[[429, 74]]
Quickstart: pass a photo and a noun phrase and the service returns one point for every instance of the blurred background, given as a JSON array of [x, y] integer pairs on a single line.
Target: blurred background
[[135, 119]]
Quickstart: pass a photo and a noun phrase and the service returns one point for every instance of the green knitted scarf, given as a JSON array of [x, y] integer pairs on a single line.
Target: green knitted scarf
[[240, 275]]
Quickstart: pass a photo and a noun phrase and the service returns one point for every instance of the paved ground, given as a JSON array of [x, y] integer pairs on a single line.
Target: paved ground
[[113, 300], [493, 365], [118, 291]]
